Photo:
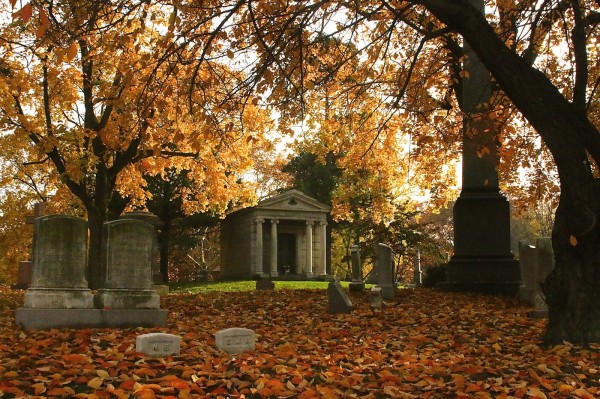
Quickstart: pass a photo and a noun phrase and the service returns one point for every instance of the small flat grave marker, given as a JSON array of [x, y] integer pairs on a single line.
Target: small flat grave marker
[[235, 340], [158, 344]]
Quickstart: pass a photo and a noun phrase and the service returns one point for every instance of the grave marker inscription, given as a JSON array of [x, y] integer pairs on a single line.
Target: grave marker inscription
[[158, 344]]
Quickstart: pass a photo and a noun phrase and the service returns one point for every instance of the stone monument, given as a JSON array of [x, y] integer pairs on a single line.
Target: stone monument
[[60, 260], [59, 296], [385, 271], [482, 260], [338, 300], [155, 221], [527, 264], [543, 266], [357, 284], [126, 275]]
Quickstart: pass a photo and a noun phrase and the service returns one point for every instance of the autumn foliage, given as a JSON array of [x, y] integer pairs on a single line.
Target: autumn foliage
[[423, 344]]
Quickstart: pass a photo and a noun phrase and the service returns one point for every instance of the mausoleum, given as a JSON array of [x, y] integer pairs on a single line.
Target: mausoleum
[[284, 235]]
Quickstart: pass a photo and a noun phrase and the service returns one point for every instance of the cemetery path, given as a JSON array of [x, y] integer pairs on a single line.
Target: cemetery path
[[423, 344]]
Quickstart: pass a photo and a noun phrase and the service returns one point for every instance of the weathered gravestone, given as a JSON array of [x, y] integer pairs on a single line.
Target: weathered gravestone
[[375, 299], [158, 344], [60, 260], [543, 266], [385, 271], [357, 284], [235, 340], [155, 221], [126, 275], [338, 300], [527, 263]]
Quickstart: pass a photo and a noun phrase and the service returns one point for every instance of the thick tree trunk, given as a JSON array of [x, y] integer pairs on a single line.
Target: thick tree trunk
[[95, 223], [573, 288]]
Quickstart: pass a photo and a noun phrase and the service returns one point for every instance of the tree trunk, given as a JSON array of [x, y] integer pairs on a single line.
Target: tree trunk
[[95, 223], [572, 289]]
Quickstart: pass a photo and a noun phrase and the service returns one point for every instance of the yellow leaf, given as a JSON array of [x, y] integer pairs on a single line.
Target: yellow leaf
[[536, 393], [573, 240], [95, 383], [71, 51], [497, 347], [310, 85], [102, 374], [565, 389]]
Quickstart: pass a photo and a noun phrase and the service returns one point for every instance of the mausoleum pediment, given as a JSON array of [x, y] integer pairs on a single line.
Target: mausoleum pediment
[[292, 200]]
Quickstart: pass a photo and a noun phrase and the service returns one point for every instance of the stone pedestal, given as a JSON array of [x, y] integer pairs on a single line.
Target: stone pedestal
[[58, 277], [482, 260], [127, 266], [357, 284]]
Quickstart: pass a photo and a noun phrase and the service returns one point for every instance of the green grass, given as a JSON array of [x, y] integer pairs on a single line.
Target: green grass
[[246, 285]]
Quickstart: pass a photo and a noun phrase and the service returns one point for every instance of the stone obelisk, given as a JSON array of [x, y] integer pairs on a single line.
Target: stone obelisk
[[482, 260]]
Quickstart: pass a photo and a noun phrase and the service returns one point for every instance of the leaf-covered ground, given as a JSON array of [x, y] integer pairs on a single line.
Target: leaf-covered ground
[[423, 344]]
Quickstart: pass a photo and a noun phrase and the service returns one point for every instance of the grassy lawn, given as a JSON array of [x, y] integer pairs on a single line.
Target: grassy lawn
[[246, 285]]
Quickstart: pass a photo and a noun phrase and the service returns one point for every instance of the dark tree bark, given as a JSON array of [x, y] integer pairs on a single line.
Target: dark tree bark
[[573, 288]]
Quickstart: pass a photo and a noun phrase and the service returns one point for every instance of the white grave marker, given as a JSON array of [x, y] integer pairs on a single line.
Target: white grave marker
[[235, 340], [158, 344]]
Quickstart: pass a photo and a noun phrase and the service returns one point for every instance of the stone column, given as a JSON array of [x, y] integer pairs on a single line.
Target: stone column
[[482, 260], [274, 247], [322, 264], [258, 257], [308, 270]]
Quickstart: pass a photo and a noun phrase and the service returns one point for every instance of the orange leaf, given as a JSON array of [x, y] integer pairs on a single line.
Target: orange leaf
[[128, 385], [57, 392], [75, 358], [144, 393], [71, 51], [25, 12]]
